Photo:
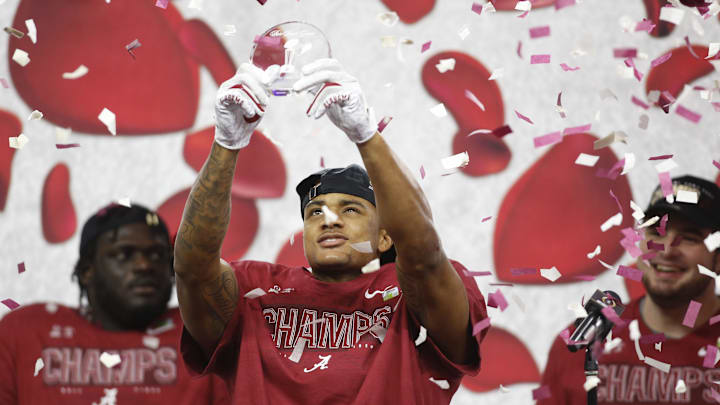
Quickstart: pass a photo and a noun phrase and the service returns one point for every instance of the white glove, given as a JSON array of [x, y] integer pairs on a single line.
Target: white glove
[[338, 94], [240, 103]]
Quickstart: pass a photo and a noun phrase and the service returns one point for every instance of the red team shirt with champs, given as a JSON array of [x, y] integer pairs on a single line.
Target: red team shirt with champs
[[150, 371], [307, 341], [626, 379]]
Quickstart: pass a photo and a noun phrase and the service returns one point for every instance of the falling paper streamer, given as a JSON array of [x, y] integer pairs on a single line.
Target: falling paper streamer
[[107, 117], [110, 360], [35, 115], [388, 41], [10, 303], [497, 300], [712, 241], [629, 163], [477, 8], [706, 272], [439, 110], [595, 252], [425, 46], [422, 336], [79, 72], [480, 326], [664, 367], [488, 8], [540, 58], [298, 350], [689, 115], [444, 384], [254, 293], [687, 196], [586, 160], [660, 60], [591, 382], [539, 32], [229, 30], [372, 266], [567, 68], [455, 161], [62, 134], [691, 314], [577, 130], [614, 220], [14, 32], [638, 212], [32, 30], [125, 202], [651, 221], [21, 57], [523, 117], [503, 389], [18, 142], [388, 18], [444, 65], [551, 274], [672, 15], [630, 273], [547, 139], [362, 247], [39, 364]]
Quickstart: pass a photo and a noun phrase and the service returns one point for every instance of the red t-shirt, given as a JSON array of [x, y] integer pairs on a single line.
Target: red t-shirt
[[70, 347], [626, 379], [359, 343]]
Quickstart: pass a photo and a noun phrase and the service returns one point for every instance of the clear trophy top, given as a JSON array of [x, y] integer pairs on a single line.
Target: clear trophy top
[[290, 45]]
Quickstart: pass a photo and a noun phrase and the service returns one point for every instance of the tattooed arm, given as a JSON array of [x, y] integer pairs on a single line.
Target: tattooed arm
[[206, 285]]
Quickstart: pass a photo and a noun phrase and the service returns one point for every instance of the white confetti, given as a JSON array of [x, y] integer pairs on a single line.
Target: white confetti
[[503, 389], [455, 161], [62, 134], [629, 163], [705, 271], [687, 196], [444, 65], [362, 247], [672, 14], [463, 32], [372, 266], [643, 121], [713, 49], [32, 30], [389, 18], [649, 222], [712, 242], [254, 293], [35, 115], [125, 202], [612, 344], [422, 336], [196, 4], [591, 382], [586, 160], [578, 310], [330, 216], [79, 72], [439, 110], [638, 212], [107, 117], [39, 364], [488, 8], [666, 166], [18, 142], [388, 41], [524, 5], [497, 73], [551, 274], [658, 346], [664, 367], [229, 30], [151, 342], [21, 57], [595, 252], [441, 383], [614, 220], [680, 387], [634, 329], [298, 350], [109, 360], [51, 307]]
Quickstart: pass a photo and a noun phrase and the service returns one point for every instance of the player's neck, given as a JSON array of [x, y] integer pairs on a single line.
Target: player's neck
[[669, 319], [335, 275]]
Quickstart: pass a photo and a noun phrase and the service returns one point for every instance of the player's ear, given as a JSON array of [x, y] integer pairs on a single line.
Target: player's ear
[[384, 241]]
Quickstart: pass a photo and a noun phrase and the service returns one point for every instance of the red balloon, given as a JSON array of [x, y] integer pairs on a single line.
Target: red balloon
[[488, 153], [241, 232], [59, 220], [293, 255], [157, 91], [505, 360], [552, 215], [410, 11], [682, 68], [509, 5], [260, 170], [662, 28], [201, 42], [10, 126]]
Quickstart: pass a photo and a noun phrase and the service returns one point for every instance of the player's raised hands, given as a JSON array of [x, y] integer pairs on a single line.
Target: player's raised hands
[[338, 94]]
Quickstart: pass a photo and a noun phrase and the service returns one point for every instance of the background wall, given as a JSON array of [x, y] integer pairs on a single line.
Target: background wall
[[552, 218]]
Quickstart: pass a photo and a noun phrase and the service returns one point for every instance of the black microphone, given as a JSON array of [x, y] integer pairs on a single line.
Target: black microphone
[[596, 325]]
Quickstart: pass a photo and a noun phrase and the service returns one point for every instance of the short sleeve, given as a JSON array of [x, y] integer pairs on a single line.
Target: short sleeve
[[8, 384], [478, 312]]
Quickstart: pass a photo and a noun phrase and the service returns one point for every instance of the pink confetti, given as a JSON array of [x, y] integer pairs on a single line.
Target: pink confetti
[[522, 271], [687, 114], [477, 7], [710, 356], [161, 3], [523, 117], [384, 123], [565, 336], [584, 278], [617, 201], [630, 273], [652, 339], [544, 391], [539, 32], [716, 106], [631, 63], [21, 267], [577, 130], [624, 52], [660, 157], [425, 46], [519, 49], [660, 60], [565, 67], [485, 219], [502, 131], [663, 225], [691, 314], [665, 183], [689, 47], [66, 145], [10, 303], [560, 4], [715, 319], [644, 25], [478, 273], [422, 172], [262, 2], [497, 300], [611, 315], [539, 58], [655, 246], [649, 255], [523, 15], [4, 83], [548, 139], [322, 162], [480, 326], [639, 102], [666, 100], [717, 164]]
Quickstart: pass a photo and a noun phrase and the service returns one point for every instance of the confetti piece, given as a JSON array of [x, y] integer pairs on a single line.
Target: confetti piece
[[110, 360], [132, 46], [656, 246], [10, 303], [624, 52], [480, 326], [501, 131], [713, 49], [523, 117], [614, 220], [710, 356], [477, 8], [298, 350], [162, 4], [523, 5], [638, 213], [21, 267], [197, 4], [666, 165], [706, 272], [577, 130], [567, 68], [425, 46], [660, 60], [611, 315], [518, 50], [503, 389], [617, 136], [439, 110], [32, 30], [478, 273], [629, 62], [630, 273], [617, 201], [691, 314], [644, 25], [422, 336], [664, 367], [388, 41], [716, 164], [547, 139], [539, 32], [444, 384], [62, 134], [14, 32], [388, 18], [384, 123], [544, 391], [595, 252], [687, 196], [663, 225], [18, 142], [107, 117], [715, 319], [551, 274], [229, 30], [560, 4], [79, 72], [372, 266], [497, 300], [4, 83], [485, 219], [639, 102], [591, 382], [455, 161], [39, 364], [469, 94], [497, 73], [463, 32], [680, 387], [488, 8], [153, 342], [687, 114], [21, 57], [712, 241], [35, 115], [539, 58], [254, 293], [607, 93], [629, 163], [422, 172], [671, 14], [444, 65], [658, 346]]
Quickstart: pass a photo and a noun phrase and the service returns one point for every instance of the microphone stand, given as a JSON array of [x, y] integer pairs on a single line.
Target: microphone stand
[[591, 369]]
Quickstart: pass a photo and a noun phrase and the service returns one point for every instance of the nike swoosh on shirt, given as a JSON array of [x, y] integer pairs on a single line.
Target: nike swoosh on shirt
[[369, 295]]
